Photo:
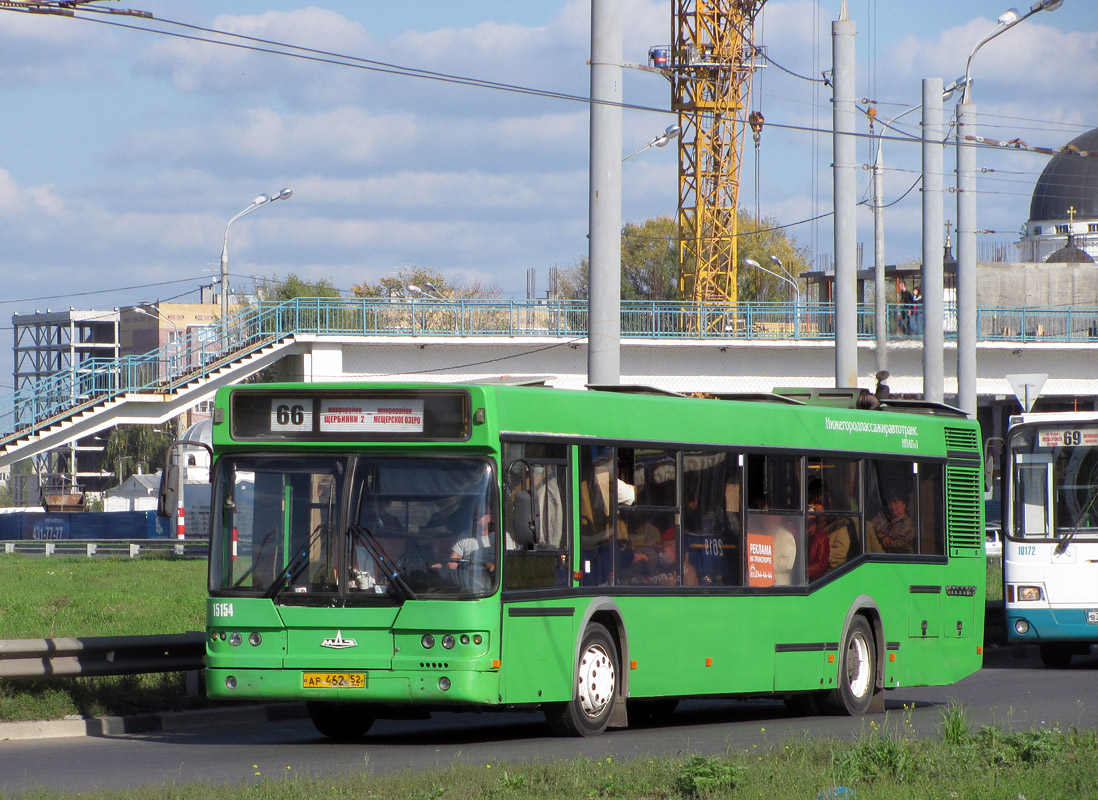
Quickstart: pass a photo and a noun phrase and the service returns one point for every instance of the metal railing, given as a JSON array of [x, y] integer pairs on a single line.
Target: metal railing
[[201, 353], [110, 548], [101, 655]]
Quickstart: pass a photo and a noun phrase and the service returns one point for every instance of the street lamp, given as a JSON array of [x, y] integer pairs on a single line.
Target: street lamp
[[671, 132], [258, 202], [155, 313], [966, 215], [796, 289]]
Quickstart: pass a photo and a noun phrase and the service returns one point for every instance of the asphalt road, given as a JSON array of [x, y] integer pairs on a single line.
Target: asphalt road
[[1012, 690]]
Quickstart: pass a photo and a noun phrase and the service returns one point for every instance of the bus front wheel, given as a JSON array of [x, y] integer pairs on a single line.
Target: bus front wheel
[[857, 670], [340, 721], [597, 674]]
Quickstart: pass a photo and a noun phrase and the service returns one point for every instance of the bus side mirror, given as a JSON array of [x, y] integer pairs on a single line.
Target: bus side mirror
[[522, 505], [168, 503]]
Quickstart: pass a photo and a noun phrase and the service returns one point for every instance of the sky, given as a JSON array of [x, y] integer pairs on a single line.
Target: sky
[[124, 154]]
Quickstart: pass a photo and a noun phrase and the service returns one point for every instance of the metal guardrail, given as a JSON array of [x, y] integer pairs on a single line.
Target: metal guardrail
[[248, 330], [101, 655], [107, 548]]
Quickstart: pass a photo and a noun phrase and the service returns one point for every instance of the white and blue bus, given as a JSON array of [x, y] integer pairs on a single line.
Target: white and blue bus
[[1050, 522]]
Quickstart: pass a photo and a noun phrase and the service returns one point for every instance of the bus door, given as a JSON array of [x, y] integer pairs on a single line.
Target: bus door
[[1040, 511], [1033, 490]]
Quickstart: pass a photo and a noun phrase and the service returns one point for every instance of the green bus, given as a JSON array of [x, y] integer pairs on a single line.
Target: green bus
[[381, 550]]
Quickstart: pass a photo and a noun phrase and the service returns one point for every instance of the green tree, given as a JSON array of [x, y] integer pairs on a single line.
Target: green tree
[[650, 262], [429, 281], [758, 240], [292, 286], [131, 446]]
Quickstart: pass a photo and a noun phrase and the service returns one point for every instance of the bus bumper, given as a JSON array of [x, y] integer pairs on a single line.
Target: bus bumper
[[381, 687], [1036, 625]]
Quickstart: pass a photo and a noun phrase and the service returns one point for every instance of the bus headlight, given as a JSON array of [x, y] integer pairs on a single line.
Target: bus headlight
[[448, 642], [254, 639], [230, 682], [444, 684], [428, 641], [235, 639], [1021, 626], [1030, 593]]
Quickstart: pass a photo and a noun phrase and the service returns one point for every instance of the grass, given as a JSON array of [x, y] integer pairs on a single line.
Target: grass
[[59, 597], [885, 762]]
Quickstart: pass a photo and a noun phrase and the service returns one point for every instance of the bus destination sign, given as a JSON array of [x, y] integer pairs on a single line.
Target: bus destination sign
[[290, 414], [389, 415], [1069, 437]]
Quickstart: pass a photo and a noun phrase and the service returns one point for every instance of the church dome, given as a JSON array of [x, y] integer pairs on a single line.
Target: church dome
[[1069, 180]]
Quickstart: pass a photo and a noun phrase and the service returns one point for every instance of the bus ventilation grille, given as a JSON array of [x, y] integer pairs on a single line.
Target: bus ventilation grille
[[962, 439], [964, 496]]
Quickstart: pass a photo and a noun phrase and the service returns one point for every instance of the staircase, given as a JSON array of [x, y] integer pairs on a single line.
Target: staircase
[[144, 389]]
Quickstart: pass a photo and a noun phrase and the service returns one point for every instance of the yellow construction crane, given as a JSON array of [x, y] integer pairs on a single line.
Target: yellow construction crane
[[710, 63]]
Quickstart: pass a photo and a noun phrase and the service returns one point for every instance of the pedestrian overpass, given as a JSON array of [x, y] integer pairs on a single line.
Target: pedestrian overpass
[[744, 347]]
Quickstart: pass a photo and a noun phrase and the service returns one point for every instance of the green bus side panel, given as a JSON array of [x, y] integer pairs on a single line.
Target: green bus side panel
[[923, 616], [538, 652], [794, 671]]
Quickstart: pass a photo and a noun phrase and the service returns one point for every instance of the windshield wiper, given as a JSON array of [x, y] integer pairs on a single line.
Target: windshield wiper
[[296, 564], [372, 546], [1062, 545]]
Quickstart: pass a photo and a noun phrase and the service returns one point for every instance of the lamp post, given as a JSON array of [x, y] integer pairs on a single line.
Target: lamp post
[[258, 202], [966, 215], [671, 132], [796, 289]]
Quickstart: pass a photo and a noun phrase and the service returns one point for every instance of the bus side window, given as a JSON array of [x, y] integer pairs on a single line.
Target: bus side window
[[892, 507], [536, 511], [931, 510], [711, 517]]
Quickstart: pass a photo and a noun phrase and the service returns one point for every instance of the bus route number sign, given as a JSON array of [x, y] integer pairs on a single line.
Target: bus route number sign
[[1069, 437], [291, 414]]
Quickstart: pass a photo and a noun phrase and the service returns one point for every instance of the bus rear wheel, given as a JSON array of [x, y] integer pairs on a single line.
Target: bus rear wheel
[[597, 675], [340, 721], [857, 671]]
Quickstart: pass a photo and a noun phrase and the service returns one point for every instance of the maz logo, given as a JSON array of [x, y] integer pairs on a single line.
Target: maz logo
[[339, 643]]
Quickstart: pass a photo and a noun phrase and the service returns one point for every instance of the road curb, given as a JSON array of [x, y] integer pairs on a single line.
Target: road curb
[[163, 722]]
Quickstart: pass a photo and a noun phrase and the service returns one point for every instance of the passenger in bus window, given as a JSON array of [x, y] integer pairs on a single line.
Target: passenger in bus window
[[474, 556], [896, 533], [819, 543]]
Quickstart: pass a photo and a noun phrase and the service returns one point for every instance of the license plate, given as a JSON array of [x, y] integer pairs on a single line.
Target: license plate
[[333, 680], [1092, 616]]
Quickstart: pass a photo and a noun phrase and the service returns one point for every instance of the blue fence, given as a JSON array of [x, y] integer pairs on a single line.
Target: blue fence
[[42, 526]]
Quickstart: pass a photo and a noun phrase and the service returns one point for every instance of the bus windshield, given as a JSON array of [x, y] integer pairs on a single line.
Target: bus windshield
[[1055, 484], [416, 525]]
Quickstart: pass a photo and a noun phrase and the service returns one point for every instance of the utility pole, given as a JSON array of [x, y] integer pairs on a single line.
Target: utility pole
[[604, 237], [932, 312], [846, 231]]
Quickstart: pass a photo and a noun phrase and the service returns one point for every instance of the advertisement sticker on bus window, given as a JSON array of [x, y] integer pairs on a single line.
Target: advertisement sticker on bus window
[[351, 415], [291, 414], [760, 560]]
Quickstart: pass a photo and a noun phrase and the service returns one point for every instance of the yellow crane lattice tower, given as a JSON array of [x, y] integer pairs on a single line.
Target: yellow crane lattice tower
[[711, 63]]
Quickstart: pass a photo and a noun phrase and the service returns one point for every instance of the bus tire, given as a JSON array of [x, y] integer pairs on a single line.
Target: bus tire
[[857, 671], [340, 721], [597, 676], [1056, 656]]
